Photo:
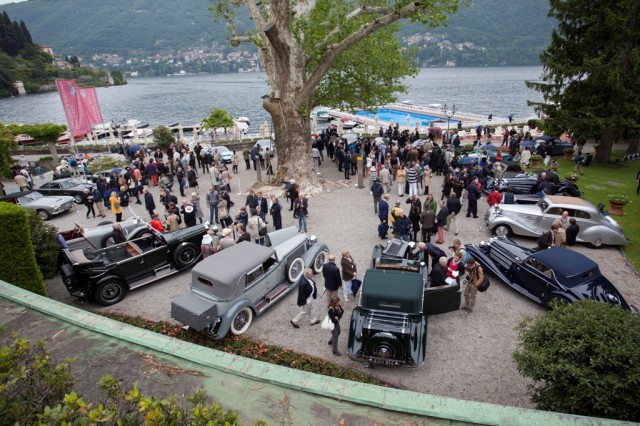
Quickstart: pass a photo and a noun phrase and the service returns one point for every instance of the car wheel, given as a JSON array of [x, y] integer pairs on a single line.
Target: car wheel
[[110, 292], [77, 198], [295, 269], [105, 222], [44, 214], [319, 262], [597, 243], [186, 255], [385, 345], [502, 230], [242, 321], [557, 298]]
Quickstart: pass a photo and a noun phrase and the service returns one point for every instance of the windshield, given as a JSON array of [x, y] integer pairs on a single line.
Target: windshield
[[70, 183], [221, 149]]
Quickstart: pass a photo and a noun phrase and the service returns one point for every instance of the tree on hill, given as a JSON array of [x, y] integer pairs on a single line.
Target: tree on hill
[[342, 47], [591, 76]]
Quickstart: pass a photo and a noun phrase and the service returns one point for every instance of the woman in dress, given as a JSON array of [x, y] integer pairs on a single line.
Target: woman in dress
[[335, 314]]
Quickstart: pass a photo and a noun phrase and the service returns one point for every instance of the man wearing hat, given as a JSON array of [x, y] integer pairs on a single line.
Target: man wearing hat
[[474, 279], [227, 240]]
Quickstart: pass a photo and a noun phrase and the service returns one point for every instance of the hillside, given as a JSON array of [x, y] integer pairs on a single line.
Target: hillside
[[489, 32]]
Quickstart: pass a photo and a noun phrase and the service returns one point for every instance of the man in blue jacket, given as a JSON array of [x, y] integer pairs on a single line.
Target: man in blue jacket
[[307, 293], [383, 215], [376, 190]]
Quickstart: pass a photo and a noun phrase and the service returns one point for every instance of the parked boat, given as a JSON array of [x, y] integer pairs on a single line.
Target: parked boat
[[321, 114], [347, 123]]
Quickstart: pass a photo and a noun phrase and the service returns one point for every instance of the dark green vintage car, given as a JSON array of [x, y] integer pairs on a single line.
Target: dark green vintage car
[[389, 325], [107, 274]]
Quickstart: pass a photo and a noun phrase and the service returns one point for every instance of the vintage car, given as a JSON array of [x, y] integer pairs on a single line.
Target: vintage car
[[531, 220], [527, 183], [557, 145], [232, 286], [546, 275], [73, 187], [45, 206], [389, 325], [101, 236], [107, 274]]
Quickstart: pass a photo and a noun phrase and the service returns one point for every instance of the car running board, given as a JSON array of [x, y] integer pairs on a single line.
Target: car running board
[[524, 292], [158, 273], [274, 295]]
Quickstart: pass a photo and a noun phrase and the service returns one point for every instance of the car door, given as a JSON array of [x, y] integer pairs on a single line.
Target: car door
[[51, 188], [439, 300], [528, 275]]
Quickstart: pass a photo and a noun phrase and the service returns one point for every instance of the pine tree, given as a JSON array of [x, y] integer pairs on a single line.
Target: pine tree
[[26, 32], [591, 76]]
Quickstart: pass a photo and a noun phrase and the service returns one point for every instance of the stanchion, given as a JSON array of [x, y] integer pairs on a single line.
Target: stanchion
[[239, 188]]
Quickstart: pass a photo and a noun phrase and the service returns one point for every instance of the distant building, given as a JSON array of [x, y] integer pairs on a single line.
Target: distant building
[[20, 87], [47, 49]]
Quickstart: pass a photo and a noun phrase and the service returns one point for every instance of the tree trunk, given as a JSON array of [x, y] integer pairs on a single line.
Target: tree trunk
[[606, 144], [293, 142], [54, 152]]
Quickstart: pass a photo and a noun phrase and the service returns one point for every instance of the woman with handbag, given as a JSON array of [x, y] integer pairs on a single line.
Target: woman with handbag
[[335, 314], [257, 227], [475, 278]]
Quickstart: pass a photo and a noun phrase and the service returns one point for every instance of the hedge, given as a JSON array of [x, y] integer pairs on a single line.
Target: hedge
[[17, 252]]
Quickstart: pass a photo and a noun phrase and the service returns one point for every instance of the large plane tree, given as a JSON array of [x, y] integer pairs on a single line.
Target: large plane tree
[[337, 53], [591, 76]]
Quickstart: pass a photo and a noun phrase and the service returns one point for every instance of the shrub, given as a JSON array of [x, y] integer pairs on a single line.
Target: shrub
[[163, 137], [46, 158], [535, 123], [584, 358], [107, 162], [536, 157], [30, 379], [14, 231], [44, 236]]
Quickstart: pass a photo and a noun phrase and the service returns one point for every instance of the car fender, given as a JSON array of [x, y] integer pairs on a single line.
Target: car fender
[[487, 263], [607, 236], [108, 276], [137, 232], [564, 295], [227, 316], [312, 253], [516, 227]]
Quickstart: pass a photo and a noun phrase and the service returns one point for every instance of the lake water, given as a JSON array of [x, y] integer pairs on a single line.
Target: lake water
[[188, 99]]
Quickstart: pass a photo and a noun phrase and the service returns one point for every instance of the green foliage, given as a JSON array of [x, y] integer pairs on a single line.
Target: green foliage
[[591, 77], [14, 231], [30, 379], [46, 132], [218, 118], [584, 358], [44, 237], [7, 143], [619, 198], [108, 162], [163, 137], [118, 79]]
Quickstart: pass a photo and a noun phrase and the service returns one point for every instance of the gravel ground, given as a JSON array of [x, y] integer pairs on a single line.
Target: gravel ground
[[468, 356]]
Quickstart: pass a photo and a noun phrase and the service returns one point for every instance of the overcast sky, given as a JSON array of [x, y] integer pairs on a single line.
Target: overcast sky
[[11, 1]]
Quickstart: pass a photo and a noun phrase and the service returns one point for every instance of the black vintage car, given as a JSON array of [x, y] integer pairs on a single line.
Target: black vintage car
[[389, 325], [547, 275], [556, 145], [107, 274], [73, 187], [527, 183]]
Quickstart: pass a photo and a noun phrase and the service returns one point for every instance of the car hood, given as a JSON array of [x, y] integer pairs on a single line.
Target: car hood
[[519, 208], [49, 202]]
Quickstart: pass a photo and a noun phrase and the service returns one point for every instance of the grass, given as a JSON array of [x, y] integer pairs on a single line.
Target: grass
[[600, 180]]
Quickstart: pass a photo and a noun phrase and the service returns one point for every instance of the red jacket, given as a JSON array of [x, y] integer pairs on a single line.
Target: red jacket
[[494, 198]]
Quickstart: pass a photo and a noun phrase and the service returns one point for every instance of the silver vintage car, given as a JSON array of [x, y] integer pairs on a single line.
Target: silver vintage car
[[231, 286], [45, 206], [531, 220]]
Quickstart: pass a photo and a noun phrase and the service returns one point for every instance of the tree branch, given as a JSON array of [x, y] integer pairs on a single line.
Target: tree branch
[[333, 51]]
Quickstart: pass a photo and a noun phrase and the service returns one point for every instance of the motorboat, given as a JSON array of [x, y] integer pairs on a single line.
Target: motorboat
[[347, 123], [321, 114], [243, 124]]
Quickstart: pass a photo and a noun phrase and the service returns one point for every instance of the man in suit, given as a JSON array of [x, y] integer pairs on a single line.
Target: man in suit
[[473, 194], [300, 212], [149, 204], [332, 278], [262, 204], [307, 292], [454, 206], [383, 215]]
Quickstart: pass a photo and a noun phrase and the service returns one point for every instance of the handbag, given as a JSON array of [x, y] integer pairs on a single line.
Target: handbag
[[484, 285], [262, 231], [327, 324]]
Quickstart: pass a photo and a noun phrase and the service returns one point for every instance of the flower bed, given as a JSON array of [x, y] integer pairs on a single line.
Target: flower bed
[[249, 348]]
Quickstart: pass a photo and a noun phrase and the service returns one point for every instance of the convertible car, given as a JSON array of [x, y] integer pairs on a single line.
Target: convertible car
[[531, 220], [107, 274], [527, 183], [389, 325], [232, 286], [101, 236], [547, 275], [45, 206]]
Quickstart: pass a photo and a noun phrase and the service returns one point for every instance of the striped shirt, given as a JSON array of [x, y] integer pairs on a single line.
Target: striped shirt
[[412, 175]]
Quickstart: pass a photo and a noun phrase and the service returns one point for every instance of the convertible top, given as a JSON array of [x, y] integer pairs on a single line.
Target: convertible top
[[565, 263]]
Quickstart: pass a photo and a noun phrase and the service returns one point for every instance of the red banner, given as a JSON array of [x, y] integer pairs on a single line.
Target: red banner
[[91, 106], [80, 106]]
